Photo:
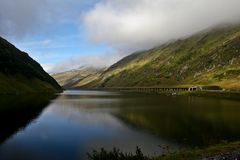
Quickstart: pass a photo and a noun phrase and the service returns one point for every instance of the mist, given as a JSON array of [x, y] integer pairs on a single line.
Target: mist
[[124, 26], [142, 24], [96, 61]]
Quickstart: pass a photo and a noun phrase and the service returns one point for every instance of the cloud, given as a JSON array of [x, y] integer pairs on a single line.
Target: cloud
[[94, 60], [47, 67], [41, 43], [122, 25], [19, 18], [140, 24]]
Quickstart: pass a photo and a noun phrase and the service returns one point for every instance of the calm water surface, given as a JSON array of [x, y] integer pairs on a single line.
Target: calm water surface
[[77, 122]]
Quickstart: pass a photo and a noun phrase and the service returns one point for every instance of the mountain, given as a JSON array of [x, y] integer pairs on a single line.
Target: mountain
[[77, 78], [211, 57], [19, 73]]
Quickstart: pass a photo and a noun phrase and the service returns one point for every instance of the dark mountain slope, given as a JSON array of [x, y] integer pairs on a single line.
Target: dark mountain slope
[[20, 73]]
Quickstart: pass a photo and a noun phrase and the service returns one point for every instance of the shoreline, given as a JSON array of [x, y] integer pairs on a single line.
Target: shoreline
[[232, 95], [225, 94], [216, 152], [228, 151]]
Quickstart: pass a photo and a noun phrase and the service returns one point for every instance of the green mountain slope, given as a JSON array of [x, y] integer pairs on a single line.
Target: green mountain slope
[[19, 73], [78, 77], [211, 57]]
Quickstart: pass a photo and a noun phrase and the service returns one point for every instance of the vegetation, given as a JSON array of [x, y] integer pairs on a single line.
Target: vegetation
[[211, 57], [78, 77], [19, 73], [215, 94], [116, 154]]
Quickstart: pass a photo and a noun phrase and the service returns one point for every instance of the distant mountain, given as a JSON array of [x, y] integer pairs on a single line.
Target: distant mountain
[[78, 78], [211, 57], [19, 73]]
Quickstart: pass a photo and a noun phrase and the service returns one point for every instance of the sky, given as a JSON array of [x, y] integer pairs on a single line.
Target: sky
[[66, 34]]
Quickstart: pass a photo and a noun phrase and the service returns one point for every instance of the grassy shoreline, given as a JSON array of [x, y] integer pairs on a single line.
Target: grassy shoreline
[[226, 94], [202, 153], [215, 94], [192, 154]]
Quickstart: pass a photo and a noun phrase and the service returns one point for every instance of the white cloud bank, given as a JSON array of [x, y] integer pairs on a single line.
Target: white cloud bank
[[20, 18], [94, 60], [139, 24], [130, 25], [124, 25]]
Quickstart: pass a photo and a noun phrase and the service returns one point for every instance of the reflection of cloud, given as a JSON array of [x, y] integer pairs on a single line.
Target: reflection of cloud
[[85, 113], [99, 127]]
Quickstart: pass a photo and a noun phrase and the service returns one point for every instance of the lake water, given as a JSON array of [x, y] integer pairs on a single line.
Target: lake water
[[71, 124]]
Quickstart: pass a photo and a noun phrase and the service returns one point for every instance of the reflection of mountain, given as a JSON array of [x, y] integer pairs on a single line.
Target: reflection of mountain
[[191, 122], [18, 111]]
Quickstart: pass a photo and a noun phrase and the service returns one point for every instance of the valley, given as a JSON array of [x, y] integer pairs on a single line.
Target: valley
[[209, 58]]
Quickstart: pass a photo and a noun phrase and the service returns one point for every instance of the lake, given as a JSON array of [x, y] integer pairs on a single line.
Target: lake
[[69, 125]]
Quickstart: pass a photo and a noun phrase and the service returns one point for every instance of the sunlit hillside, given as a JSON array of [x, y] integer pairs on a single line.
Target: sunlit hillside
[[78, 77], [210, 57]]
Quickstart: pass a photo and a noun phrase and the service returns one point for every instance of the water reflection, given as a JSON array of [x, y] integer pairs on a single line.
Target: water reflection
[[189, 121], [81, 121], [18, 111]]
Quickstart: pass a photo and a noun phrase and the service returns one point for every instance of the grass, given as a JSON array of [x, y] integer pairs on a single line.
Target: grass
[[209, 91], [78, 78], [193, 154], [116, 154], [215, 94], [20, 73], [211, 57], [201, 153], [19, 84]]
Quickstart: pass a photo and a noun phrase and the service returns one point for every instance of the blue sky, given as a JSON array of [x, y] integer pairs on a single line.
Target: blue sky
[[63, 42], [63, 35], [60, 40]]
